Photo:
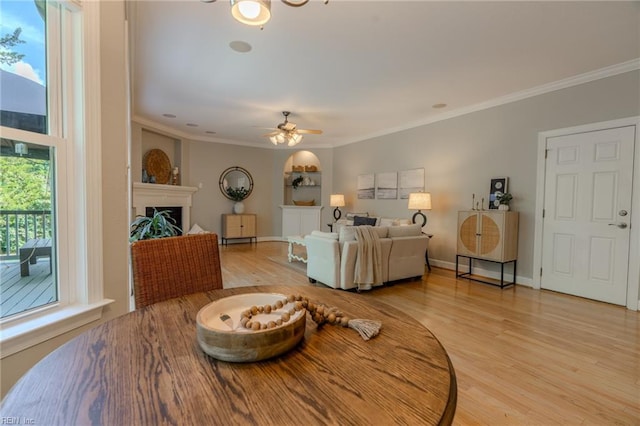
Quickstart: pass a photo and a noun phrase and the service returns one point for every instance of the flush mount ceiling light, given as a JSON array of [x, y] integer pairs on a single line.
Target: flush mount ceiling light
[[256, 12], [251, 12]]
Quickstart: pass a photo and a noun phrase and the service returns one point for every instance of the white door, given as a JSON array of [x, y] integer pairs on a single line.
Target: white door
[[587, 211]]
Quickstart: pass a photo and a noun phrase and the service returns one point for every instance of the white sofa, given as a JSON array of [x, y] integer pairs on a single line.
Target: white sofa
[[331, 256]]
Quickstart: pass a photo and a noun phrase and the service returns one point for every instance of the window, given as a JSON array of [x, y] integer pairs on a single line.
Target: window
[[49, 133], [27, 205]]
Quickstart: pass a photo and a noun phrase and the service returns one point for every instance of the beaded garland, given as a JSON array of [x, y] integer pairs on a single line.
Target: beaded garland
[[319, 313]]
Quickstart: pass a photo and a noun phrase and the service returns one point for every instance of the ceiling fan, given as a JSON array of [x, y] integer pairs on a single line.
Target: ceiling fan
[[288, 132]]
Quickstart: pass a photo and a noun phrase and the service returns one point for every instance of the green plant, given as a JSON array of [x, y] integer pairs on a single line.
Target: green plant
[[504, 198], [237, 194], [296, 182], [160, 225]]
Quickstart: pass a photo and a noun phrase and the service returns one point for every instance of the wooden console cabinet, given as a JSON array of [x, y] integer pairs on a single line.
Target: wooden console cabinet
[[236, 226], [490, 235]]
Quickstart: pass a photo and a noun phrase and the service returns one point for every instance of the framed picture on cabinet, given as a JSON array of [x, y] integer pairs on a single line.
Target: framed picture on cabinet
[[497, 185]]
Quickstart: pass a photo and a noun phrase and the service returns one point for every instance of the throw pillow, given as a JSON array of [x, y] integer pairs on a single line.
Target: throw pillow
[[359, 220], [351, 215], [196, 229], [386, 221], [347, 233]]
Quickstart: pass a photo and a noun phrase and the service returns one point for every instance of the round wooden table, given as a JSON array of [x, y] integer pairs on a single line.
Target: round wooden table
[[146, 368]]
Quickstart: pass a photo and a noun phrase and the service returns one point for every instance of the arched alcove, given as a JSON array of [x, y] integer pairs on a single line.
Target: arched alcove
[[302, 179]]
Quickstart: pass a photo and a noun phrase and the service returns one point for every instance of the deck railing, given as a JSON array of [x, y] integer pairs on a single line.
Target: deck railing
[[19, 226]]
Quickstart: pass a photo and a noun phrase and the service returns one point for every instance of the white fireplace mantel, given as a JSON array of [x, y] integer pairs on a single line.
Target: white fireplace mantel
[[157, 195]]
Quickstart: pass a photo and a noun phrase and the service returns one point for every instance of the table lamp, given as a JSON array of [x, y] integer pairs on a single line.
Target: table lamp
[[337, 201], [420, 201]]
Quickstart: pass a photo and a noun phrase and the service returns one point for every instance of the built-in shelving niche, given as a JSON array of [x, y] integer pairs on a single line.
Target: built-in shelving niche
[[306, 165]]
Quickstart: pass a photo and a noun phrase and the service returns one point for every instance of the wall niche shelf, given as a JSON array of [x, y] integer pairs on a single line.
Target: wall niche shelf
[[309, 189]]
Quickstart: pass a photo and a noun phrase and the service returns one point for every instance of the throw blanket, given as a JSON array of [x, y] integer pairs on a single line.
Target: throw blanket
[[369, 257]]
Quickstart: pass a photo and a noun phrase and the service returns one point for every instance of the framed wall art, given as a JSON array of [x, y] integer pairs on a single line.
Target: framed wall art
[[497, 185], [411, 181], [387, 186], [366, 188]]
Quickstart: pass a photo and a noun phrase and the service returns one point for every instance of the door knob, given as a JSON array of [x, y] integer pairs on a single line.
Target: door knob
[[620, 225]]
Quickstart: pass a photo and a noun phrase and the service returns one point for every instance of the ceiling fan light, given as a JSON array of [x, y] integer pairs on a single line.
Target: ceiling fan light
[[273, 140], [294, 139], [280, 138], [249, 9], [251, 12]]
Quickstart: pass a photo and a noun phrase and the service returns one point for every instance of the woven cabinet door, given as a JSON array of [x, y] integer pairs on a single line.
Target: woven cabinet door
[[468, 233]]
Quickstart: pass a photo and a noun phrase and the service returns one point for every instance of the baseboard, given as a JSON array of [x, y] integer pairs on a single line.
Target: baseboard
[[260, 239], [477, 270]]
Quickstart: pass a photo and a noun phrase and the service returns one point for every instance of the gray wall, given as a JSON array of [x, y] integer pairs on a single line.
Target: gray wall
[[462, 154], [208, 160]]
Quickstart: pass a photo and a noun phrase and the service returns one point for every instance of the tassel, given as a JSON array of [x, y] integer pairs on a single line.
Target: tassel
[[367, 328]]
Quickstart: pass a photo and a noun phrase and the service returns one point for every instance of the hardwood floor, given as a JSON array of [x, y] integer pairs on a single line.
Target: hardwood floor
[[522, 356]]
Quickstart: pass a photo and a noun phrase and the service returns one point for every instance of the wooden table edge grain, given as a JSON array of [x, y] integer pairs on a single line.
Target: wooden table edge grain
[[146, 367]]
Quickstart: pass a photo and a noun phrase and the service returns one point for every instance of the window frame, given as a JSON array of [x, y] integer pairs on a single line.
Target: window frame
[[73, 47]]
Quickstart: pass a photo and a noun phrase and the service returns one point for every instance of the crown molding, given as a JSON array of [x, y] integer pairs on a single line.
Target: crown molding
[[173, 132], [577, 80]]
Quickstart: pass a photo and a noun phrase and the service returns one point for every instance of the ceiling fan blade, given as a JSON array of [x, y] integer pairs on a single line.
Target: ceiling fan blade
[[309, 131], [277, 132]]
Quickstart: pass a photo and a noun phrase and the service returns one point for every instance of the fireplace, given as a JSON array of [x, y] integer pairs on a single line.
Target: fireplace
[[146, 196]]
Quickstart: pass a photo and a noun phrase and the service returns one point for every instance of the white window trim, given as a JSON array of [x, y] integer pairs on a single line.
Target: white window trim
[[84, 302]]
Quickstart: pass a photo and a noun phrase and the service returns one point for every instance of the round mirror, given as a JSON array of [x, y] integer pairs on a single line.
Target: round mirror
[[236, 183]]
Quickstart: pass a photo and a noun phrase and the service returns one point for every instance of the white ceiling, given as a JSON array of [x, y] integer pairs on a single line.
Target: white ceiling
[[358, 69]]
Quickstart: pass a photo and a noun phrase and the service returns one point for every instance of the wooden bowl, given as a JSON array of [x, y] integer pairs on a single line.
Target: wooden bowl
[[229, 341], [304, 202]]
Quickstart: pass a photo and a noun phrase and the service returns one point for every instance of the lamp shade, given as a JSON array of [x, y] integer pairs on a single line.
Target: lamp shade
[[420, 201], [251, 12], [337, 200]]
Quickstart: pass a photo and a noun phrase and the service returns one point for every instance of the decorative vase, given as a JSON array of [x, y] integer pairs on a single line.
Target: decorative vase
[[238, 207], [503, 207]]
